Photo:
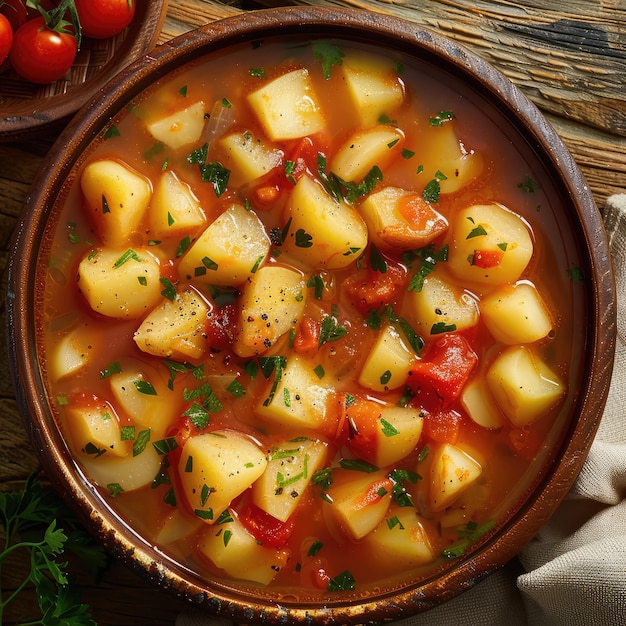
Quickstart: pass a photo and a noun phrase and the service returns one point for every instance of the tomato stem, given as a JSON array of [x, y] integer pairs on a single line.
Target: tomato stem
[[55, 18]]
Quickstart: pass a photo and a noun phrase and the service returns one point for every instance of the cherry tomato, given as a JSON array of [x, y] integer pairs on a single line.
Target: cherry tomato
[[6, 38], [100, 19], [42, 55]]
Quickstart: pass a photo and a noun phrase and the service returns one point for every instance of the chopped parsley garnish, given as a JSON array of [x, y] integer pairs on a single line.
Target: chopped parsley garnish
[[156, 148], [111, 131], [109, 370], [105, 205], [329, 55], [388, 429], [407, 154], [92, 449], [127, 256], [183, 246], [236, 389], [316, 546], [317, 282], [202, 514], [342, 582], [183, 91], [377, 261], [440, 118], [330, 331], [165, 446], [209, 400], [428, 258], [169, 291], [213, 172], [398, 493], [415, 341], [385, 377], [433, 188], [170, 497], [319, 371], [143, 386], [268, 365], [115, 489], [141, 442], [575, 274], [358, 465], [478, 231], [257, 72], [303, 239], [127, 433], [394, 522], [441, 327], [529, 185], [468, 534]]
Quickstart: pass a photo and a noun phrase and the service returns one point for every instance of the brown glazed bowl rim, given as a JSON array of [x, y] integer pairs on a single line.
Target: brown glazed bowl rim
[[139, 554]]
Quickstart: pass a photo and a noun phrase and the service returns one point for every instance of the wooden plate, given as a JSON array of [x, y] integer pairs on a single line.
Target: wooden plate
[[26, 108]]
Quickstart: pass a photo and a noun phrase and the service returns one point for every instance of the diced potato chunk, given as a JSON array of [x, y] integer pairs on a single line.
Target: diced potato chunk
[[365, 149], [480, 405], [120, 283], [287, 107], [95, 430], [216, 467], [374, 87], [490, 245], [129, 473], [401, 541], [247, 157], [228, 251], [181, 128], [452, 471], [73, 352], [141, 394], [445, 154], [176, 525], [117, 198], [401, 219], [523, 385], [271, 304], [388, 362], [174, 208], [288, 473], [232, 548], [381, 434], [299, 401], [176, 329], [322, 232], [441, 302], [357, 502], [516, 314]]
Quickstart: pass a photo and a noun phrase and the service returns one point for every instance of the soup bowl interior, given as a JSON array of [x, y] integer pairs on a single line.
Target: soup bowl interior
[[573, 224]]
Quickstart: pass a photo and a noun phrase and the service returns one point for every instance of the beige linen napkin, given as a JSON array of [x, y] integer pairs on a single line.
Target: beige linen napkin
[[574, 572]]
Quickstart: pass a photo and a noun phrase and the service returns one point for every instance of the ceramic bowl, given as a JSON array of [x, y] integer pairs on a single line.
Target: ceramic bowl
[[579, 220]]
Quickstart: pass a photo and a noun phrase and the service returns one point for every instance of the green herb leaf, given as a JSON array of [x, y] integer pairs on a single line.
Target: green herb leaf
[[141, 442], [329, 55], [440, 118], [168, 291], [358, 465], [342, 582]]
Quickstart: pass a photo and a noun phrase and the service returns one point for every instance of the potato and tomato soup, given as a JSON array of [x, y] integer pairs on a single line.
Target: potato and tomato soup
[[296, 327]]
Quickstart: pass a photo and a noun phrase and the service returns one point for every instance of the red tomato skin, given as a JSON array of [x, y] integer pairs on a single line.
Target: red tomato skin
[[41, 55], [266, 529], [6, 38], [101, 19]]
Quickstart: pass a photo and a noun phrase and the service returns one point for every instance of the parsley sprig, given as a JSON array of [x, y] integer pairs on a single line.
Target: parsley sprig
[[37, 524]]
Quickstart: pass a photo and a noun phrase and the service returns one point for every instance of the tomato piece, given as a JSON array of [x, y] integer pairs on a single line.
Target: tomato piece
[[265, 528], [307, 336], [40, 54], [487, 258], [6, 38], [367, 289], [362, 416], [442, 426], [445, 368], [100, 19], [220, 327], [416, 211]]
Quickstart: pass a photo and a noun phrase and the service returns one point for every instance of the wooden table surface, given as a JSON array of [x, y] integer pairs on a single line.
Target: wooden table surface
[[568, 56]]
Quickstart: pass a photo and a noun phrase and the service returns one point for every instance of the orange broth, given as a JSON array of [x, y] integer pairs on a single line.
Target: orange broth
[[315, 550]]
